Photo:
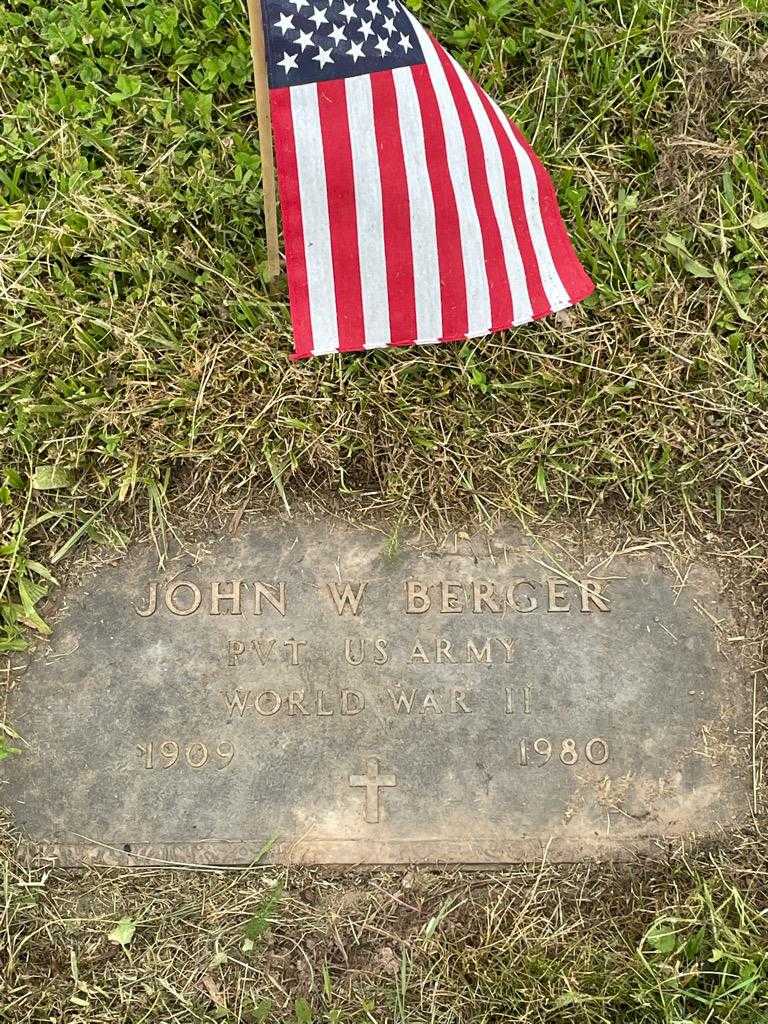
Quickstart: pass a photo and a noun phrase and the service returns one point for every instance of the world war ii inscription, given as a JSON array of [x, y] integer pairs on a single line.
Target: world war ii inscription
[[319, 693]]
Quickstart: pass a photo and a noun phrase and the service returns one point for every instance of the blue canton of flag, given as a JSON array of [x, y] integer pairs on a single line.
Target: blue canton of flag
[[316, 42]]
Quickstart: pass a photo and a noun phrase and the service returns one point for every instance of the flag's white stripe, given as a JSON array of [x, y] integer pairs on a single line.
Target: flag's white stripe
[[554, 289], [478, 297], [370, 220], [426, 266], [497, 184], [308, 141]]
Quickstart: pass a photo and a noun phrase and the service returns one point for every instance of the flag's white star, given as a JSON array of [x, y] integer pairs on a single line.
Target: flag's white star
[[323, 57], [392, 5], [348, 11], [382, 46], [337, 34], [298, 4], [405, 42], [318, 17], [373, 8], [389, 26], [365, 28], [305, 39], [285, 22], [288, 63], [355, 51]]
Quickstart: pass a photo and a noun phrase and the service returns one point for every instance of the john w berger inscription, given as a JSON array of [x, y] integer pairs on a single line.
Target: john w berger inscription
[[304, 692]]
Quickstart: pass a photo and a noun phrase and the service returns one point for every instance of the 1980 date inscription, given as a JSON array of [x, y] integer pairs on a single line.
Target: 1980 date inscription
[[595, 751]]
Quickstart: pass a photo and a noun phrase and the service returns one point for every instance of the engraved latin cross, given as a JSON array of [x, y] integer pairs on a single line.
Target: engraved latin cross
[[372, 782]]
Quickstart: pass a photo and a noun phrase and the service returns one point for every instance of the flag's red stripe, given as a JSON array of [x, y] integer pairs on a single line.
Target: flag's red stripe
[[575, 280], [539, 301], [395, 210], [453, 292], [293, 231], [342, 219], [495, 267]]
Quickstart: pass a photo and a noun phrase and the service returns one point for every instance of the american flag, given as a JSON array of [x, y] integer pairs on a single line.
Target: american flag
[[413, 210]]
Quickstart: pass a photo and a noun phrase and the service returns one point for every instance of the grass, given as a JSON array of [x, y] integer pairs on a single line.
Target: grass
[[143, 359], [681, 943], [145, 380]]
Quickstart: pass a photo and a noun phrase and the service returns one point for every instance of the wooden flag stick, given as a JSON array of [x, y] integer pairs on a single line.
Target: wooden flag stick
[[264, 122]]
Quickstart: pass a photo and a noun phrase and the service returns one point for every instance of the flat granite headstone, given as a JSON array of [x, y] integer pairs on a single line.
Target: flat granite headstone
[[312, 692]]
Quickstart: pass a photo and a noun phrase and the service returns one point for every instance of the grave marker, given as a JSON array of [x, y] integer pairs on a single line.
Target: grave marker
[[304, 693]]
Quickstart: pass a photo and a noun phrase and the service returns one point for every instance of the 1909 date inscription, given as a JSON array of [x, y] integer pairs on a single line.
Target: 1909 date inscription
[[311, 691], [196, 755]]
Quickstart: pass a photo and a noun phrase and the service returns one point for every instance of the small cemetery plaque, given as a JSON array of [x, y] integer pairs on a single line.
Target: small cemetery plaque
[[318, 693]]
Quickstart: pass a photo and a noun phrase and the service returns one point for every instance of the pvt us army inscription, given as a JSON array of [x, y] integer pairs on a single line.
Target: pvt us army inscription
[[305, 692]]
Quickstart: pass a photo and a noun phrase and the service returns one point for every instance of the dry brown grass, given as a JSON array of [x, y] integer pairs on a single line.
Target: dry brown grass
[[685, 939]]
